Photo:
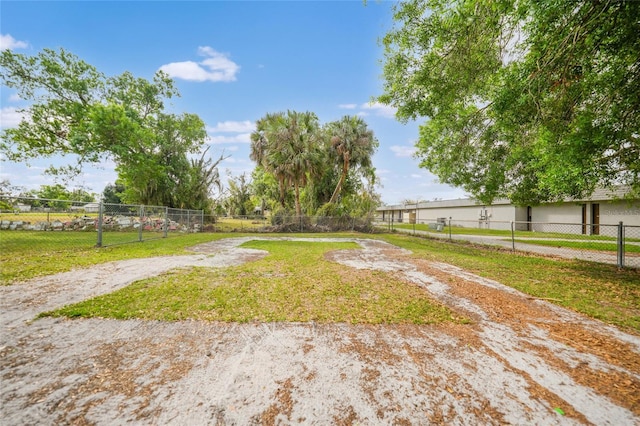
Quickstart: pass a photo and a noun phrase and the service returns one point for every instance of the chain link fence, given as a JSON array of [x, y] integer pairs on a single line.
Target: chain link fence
[[89, 224], [618, 244]]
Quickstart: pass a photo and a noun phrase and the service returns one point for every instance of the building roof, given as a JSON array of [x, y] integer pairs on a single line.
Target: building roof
[[600, 194]]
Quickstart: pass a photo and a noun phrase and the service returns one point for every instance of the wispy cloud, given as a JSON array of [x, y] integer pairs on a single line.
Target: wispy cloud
[[403, 150], [15, 98], [215, 67], [379, 109], [239, 138], [8, 42], [10, 117], [231, 132], [371, 108], [245, 126]]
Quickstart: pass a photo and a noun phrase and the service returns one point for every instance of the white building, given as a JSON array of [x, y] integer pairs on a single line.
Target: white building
[[596, 215]]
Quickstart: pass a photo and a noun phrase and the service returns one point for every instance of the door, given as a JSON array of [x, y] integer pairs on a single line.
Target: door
[[595, 219], [584, 219]]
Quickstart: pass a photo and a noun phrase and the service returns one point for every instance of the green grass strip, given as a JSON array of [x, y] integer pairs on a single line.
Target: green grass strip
[[294, 283], [582, 245]]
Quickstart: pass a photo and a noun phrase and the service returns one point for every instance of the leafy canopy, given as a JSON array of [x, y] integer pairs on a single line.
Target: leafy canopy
[[77, 110], [530, 100]]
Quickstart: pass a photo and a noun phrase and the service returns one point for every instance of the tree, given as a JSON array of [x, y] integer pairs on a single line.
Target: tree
[[161, 175], [113, 193], [288, 145], [351, 144], [202, 177], [239, 198], [78, 110], [8, 190], [530, 100]]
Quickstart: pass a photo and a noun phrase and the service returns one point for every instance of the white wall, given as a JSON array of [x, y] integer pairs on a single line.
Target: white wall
[[621, 211]]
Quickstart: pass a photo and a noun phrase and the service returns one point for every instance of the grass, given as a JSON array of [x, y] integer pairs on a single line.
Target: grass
[[459, 230], [30, 254], [598, 290], [272, 289], [229, 224], [583, 245]]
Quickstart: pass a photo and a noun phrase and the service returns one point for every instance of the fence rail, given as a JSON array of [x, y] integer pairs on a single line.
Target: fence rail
[[106, 224], [618, 244]]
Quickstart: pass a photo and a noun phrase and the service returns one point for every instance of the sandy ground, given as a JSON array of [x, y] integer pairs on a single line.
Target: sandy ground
[[519, 360]]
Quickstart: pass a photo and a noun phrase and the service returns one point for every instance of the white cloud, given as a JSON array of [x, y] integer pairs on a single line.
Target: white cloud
[[380, 109], [10, 117], [216, 67], [347, 106], [403, 151], [8, 42], [239, 138], [233, 127], [15, 98], [416, 176]]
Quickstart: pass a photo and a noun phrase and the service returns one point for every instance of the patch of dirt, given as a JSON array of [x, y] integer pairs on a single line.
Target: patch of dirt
[[520, 361]]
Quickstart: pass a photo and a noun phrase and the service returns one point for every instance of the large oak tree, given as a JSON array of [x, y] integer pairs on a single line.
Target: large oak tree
[[533, 100]]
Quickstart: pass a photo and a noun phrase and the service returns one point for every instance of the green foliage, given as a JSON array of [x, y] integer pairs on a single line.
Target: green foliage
[[281, 215], [319, 164], [287, 145], [113, 193], [239, 199], [529, 100], [78, 110], [351, 145]]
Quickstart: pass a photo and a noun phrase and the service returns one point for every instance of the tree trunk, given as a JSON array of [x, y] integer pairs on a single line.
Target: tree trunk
[[281, 187], [343, 176], [298, 207]]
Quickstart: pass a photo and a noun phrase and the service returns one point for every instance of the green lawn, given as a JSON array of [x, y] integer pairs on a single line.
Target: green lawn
[[582, 245], [598, 290], [29, 254], [272, 289]]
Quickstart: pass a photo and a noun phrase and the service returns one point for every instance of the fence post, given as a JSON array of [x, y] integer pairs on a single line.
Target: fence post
[[620, 245], [140, 224], [513, 238], [450, 228], [100, 213], [166, 222]]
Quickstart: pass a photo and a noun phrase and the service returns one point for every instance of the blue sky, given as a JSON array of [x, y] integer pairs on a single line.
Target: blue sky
[[232, 62]]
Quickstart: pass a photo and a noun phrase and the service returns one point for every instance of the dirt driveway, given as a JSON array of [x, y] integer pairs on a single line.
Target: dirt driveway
[[521, 361]]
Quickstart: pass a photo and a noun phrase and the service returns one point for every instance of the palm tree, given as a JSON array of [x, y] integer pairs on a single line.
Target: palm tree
[[287, 145], [352, 144], [264, 141]]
